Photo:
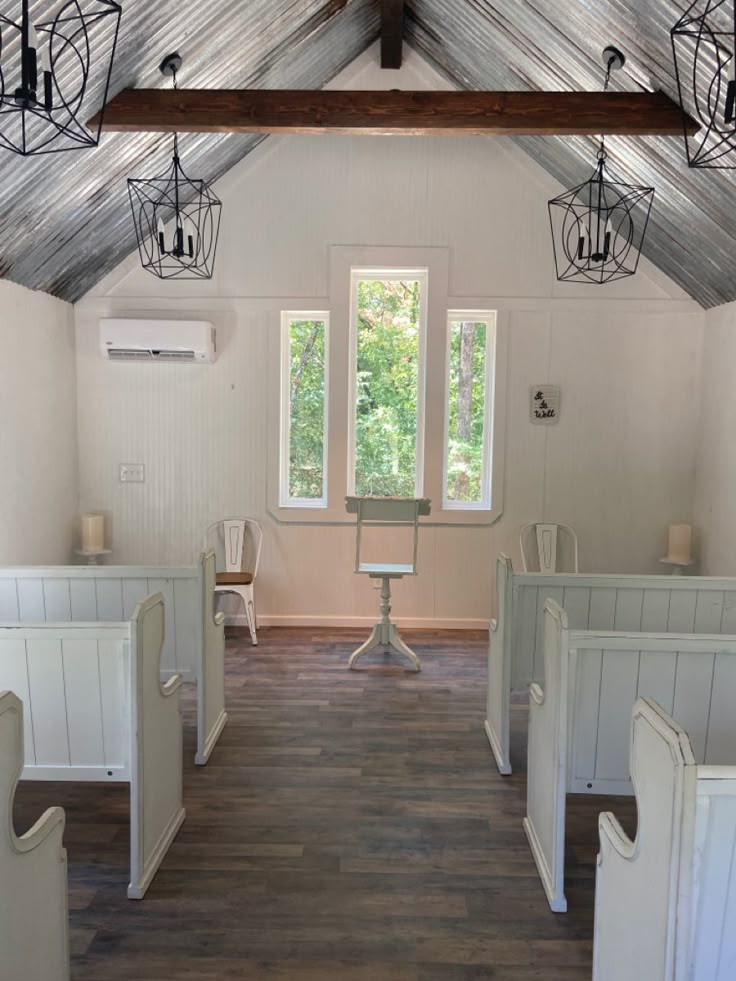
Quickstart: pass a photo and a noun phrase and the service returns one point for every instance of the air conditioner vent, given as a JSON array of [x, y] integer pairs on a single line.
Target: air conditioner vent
[[157, 341], [173, 355], [121, 354]]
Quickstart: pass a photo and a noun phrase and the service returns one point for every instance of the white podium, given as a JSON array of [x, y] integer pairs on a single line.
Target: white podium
[[379, 511]]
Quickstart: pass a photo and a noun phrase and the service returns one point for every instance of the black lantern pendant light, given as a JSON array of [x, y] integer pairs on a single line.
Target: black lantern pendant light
[[177, 219], [54, 74], [704, 48], [599, 226]]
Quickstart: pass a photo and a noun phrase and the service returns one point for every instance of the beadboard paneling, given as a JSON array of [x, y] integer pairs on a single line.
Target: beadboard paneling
[[38, 441]]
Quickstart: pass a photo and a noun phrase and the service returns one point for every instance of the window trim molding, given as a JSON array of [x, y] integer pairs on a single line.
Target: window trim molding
[[285, 501]]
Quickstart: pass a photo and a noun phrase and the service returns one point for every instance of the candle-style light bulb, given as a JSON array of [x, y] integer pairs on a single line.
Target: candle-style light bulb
[[607, 240], [48, 78], [161, 239], [583, 242], [190, 234]]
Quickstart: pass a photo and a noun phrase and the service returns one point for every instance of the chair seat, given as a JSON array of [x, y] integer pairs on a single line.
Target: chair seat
[[233, 579]]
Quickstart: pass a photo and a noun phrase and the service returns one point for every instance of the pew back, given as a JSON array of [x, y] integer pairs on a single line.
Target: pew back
[[97, 710], [666, 902], [110, 594], [34, 914]]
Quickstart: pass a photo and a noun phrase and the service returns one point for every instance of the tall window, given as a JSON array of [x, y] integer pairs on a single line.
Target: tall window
[[388, 332], [469, 426], [303, 409]]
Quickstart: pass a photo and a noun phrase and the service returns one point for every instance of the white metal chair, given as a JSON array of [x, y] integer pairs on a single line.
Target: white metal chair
[[237, 545], [548, 547], [382, 510]]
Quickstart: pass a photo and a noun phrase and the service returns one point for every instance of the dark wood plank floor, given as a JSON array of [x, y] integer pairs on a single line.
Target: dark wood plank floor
[[350, 826]]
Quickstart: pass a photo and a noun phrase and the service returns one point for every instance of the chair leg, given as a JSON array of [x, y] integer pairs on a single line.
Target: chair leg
[[251, 615]]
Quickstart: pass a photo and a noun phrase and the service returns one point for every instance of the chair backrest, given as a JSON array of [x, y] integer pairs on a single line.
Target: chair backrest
[[236, 543], [548, 547]]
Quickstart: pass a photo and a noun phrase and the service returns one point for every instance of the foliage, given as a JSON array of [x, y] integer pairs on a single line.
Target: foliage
[[307, 403], [466, 411], [388, 369]]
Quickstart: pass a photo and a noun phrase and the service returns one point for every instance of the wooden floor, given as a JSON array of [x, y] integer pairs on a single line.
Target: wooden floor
[[350, 826]]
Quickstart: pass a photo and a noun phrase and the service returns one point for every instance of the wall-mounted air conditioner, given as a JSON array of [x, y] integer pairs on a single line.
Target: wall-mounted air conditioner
[[164, 341]]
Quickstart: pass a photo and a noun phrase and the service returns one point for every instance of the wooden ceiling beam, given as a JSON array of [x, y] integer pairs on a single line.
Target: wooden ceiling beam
[[394, 112], [392, 31]]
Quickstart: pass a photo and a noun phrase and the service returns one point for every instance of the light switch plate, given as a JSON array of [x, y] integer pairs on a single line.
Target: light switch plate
[[132, 473]]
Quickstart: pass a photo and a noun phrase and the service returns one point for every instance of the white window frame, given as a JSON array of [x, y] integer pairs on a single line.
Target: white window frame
[[285, 500], [387, 274], [490, 319]]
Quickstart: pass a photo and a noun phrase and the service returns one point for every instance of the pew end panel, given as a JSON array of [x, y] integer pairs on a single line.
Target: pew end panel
[[34, 909], [156, 749], [211, 714], [497, 723], [637, 883], [544, 823]]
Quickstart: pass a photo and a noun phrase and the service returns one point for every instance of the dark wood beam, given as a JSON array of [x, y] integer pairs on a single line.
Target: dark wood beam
[[387, 113], [392, 29]]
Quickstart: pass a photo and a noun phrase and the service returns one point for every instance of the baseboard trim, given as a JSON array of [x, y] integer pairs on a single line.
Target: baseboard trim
[[407, 623]]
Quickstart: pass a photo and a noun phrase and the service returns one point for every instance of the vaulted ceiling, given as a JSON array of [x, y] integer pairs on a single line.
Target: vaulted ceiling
[[64, 219]]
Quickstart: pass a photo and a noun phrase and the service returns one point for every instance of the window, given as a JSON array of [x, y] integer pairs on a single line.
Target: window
[[303, 409], [388, 335], [469, 419], [400, 390]]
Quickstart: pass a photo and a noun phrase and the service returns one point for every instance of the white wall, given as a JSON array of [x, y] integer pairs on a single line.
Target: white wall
[[715, 499], [38, 437], [619, 466]]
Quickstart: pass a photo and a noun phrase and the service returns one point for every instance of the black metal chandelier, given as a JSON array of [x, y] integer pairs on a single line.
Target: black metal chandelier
[[53, 73], [704, 49], [598, 227], [186, 249]]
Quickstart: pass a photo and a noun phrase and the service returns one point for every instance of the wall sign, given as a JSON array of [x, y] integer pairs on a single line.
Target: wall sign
[[544, 404]]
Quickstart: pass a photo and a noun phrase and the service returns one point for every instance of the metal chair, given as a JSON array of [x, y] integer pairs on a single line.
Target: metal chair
[[548, 547], [237, 545], [384, 510]]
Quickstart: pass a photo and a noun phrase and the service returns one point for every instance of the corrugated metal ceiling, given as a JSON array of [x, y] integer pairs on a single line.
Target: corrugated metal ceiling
[[64, 220]]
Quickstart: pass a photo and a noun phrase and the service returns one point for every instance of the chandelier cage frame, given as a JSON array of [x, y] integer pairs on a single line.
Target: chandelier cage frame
[[704, 53], [188, 206], [54, 74], [598, 227]]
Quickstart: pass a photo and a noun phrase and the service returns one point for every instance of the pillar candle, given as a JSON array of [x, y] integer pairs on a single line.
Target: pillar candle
[[93, 532], [680, 541]]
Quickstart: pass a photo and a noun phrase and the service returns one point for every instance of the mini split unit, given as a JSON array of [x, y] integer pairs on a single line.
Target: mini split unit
[[164, 341]]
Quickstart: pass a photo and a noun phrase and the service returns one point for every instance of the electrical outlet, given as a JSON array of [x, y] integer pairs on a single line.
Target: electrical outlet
[[132, 473]]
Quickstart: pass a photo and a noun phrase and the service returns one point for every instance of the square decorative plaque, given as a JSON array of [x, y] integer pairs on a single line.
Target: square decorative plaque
[[544, 404]]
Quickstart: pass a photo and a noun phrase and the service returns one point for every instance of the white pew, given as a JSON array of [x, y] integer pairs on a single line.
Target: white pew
[[34, 908], [650, 604], [96, 709], [579, 720], [665, 904], [194, 642]]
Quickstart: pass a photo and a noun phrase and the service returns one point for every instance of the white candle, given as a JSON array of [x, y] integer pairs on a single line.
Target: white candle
[[679, 543], [93, 532]]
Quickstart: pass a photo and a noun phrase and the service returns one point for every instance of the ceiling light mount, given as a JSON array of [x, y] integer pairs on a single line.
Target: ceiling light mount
[[171, 64], [613, 59]]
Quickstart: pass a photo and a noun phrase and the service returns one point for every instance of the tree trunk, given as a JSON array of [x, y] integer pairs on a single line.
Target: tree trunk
[[465, 403]]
